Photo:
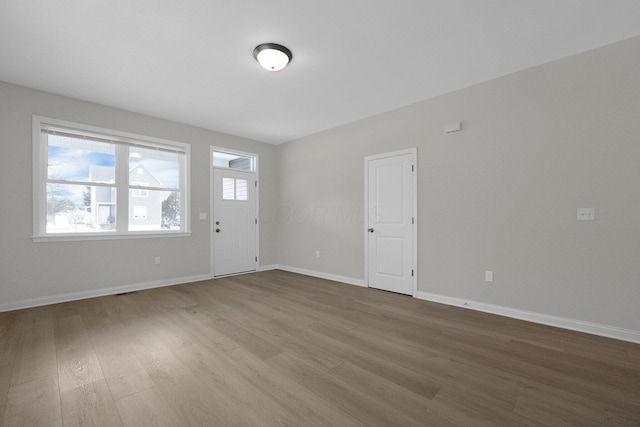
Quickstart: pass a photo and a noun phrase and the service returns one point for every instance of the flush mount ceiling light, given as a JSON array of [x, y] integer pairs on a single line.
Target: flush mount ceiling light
[[272, 57]]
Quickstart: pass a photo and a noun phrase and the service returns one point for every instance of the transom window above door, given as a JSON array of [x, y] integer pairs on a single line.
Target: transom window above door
[[234, 161]]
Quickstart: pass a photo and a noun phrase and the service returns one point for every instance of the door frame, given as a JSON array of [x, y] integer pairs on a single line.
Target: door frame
[[213, 148], [414, 158]]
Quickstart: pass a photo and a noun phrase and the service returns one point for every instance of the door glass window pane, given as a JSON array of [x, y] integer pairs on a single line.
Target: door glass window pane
[[241, 189], [228, 189]]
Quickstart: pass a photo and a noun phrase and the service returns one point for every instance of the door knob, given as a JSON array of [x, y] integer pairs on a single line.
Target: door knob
[[371, 230], [217, 230]]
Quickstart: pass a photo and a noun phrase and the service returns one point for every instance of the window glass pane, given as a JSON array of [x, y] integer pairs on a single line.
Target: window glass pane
[[228, 189], [159, 211], [171, 210], [80, 209], [241, 189], [74, 159], [157, 168], [242, 163], [233, 161]]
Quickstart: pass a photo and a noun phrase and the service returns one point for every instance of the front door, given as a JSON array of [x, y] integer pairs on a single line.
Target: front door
[[390, 225], [234, 221]]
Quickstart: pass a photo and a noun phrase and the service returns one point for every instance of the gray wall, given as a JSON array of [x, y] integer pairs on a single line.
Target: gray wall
[[37, 270], [501, 195]]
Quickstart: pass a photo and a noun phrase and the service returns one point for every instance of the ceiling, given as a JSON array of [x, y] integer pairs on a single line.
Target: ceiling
[[191, 60]]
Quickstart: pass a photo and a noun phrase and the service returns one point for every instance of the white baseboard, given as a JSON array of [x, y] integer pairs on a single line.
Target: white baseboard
[[545, 319], [268, 267], [74, 296], [334, 277]]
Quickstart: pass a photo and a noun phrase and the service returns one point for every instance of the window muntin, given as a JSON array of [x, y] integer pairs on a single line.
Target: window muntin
[[95, 183]]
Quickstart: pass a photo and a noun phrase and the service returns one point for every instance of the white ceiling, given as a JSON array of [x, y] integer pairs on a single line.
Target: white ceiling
[[191, 60]]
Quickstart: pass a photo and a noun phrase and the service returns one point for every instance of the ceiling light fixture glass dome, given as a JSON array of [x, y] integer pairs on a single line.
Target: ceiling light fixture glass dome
[[272, 56]]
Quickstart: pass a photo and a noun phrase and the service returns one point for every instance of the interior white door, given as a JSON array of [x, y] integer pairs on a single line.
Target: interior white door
[[390, 223], [234, 221]]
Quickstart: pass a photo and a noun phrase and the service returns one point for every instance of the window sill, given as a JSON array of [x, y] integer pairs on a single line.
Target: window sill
[[110, 236]]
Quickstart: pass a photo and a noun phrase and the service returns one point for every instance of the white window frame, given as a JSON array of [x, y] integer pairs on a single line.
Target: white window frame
[[120, 139]]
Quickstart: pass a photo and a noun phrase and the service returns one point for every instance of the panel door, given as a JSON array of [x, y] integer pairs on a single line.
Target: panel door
[[390, 223], [234, 222]]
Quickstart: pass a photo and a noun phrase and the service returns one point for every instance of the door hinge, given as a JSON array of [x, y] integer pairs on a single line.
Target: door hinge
[[256, 183], [256, 221], [413, 220], [256, 259], [411, 273], [411, 168]]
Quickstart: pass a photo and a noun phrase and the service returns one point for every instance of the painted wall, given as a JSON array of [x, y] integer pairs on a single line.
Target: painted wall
[[37, 270], [500, 195]]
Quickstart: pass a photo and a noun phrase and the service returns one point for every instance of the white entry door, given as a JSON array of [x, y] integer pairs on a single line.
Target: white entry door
[[390, 222], [234, 221]]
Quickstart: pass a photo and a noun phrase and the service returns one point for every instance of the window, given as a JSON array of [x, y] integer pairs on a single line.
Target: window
[[234, 161], [234, 189], [97, 183], [241, 189], [228, 189]]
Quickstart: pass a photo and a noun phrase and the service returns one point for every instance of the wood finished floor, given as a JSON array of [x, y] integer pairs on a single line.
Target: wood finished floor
[[277, 348]]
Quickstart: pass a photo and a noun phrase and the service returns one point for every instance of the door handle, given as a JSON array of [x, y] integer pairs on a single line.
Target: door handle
[[217, 222], [371, 230], [217, 230]]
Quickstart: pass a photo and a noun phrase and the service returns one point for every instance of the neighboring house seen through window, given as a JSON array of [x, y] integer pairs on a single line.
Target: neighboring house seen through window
[[92, 183]]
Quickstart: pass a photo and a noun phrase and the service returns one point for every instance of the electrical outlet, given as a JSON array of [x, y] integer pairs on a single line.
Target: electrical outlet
[[157, 260], [586, 214], [317, 254], [488, 276]]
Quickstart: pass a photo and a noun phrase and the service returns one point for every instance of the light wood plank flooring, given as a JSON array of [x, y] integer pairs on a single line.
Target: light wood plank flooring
[[277, 348]]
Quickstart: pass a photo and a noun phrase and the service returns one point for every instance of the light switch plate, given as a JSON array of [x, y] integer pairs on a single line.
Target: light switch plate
[[586, 214], [203, 215]]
